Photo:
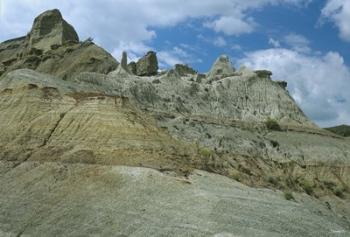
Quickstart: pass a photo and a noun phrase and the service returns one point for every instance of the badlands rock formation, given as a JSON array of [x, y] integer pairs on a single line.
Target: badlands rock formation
[[52, 46], [109, 149], [51, 30], [147, 65]]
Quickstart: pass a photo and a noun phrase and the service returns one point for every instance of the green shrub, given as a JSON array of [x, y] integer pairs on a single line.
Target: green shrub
[[272, 124], [329, 184], [288, 196], [206, 152], [339, 192], [272, 180], [307, 186]]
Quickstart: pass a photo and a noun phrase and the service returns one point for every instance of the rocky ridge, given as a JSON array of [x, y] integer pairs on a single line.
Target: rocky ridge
[[80, 127]]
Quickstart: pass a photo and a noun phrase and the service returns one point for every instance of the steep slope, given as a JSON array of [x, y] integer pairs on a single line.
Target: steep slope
[[128, 155], [44, 118]]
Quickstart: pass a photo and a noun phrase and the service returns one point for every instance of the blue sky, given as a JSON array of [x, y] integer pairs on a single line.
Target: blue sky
[[305, 42]]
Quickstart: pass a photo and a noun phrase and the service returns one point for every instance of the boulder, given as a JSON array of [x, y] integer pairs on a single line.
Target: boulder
[[147, 65], [263, 73], [282, 84], [222, 68], [50, 29]]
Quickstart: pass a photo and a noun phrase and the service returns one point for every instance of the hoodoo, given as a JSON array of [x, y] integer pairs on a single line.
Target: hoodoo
[[50, 30], [91, 147]]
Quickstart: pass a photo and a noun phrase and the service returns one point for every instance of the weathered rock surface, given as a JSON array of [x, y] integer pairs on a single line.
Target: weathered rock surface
[[283, 84], [53, 47], [132, 68], [263, 73], [54, 199], [49, 30], [184, 70], [147, 65], [124, 61], [222, 68], [66, 139]]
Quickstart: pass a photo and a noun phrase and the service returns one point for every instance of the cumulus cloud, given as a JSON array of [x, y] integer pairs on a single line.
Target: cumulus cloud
[[319, 84], [297, 42], [275, 43], [338, 11], [232, 25], [176, 55], [220, 42], [114, 23]]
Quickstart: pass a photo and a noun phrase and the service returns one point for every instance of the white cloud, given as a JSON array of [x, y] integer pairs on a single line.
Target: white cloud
[[176, 55], [232, 25], [220, 42], [338, 11], [168, 58], [320, 85], [236, 47], [113, 22], [297, 42], [134, 50], [274, 43]]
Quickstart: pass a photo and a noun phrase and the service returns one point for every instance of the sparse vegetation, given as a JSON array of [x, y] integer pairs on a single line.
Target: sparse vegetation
[[275, 144], [339, 191], [288, 195], [342, 130], [307, 187], [236, 176], [329, 184], [206, 152], [272, 124], [272, 180]]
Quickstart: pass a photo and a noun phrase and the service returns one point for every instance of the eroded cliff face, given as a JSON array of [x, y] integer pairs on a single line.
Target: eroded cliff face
[[90, 142]]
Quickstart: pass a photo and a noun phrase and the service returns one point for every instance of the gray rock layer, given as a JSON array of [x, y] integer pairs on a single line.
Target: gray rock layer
[[52, 199], [78, 132]]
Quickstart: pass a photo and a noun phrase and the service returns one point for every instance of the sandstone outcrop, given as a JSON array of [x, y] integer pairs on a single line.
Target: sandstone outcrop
[[53, 47], [283, 84], [147, 65], [145, 154], [222, 68], [263, 73], [50, 30]]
